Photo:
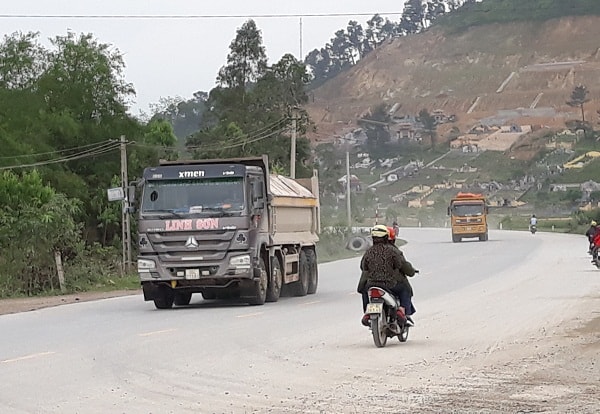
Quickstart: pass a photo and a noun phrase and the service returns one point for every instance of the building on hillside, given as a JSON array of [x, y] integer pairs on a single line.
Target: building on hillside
[[355, 185]]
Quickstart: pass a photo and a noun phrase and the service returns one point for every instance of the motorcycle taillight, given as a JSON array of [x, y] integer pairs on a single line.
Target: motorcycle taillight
[[375, 293]]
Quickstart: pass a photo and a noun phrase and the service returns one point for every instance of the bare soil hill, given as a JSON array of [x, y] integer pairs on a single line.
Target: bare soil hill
[[518, 73]]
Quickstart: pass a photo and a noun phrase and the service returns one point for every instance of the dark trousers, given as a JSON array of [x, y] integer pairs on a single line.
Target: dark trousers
[[401, 291]]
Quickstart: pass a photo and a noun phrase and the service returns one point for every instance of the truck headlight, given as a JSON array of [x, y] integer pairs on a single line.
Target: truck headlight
[[240, 261], [145, 265]]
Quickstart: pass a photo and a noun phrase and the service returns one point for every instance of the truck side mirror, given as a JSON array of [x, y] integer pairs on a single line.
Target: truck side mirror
[[448, 211], [258, 204], [131, 193]]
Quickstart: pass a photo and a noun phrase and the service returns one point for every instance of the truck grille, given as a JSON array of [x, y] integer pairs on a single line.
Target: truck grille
[[178, 247]]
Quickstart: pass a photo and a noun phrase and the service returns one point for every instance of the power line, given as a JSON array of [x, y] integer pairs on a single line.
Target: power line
[[189, 16], [103, 149], [55, 152]]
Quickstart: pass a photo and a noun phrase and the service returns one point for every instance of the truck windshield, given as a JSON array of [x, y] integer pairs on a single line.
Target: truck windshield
[[205, 195], [466, 210]]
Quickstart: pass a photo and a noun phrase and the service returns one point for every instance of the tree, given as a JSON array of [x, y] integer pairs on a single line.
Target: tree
[[377, 131], [579, 97], [247, 59], [429, 125]]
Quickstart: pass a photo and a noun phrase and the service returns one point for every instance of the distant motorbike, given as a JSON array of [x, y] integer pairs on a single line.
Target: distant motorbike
[[384, 323], [533, 228], [595, 258]]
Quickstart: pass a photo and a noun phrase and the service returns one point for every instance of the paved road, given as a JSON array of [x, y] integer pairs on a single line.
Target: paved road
[[306, 354]]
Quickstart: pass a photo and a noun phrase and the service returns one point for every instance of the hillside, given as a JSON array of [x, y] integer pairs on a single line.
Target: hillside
[[520, 72]]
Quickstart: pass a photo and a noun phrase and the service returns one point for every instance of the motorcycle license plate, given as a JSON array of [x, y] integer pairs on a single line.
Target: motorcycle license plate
[[374, 307]]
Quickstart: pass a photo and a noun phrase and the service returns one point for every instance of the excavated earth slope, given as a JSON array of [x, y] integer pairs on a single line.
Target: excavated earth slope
[[518, 72]]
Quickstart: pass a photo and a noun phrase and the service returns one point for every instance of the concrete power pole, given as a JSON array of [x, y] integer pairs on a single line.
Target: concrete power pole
[[125, 224], [348, 205], [293, 149]]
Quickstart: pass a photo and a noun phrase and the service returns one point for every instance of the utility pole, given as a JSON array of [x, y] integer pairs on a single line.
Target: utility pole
[[125, 224], [301, 57], [348, 206], [293, 150]]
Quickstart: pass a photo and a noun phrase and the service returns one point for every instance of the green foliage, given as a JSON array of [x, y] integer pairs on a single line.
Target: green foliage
[[505, 11]]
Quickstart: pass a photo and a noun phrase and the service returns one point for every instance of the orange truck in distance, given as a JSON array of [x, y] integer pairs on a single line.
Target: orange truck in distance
[[468, 217]]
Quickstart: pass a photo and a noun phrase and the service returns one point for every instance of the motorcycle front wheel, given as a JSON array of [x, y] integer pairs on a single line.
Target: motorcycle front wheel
[[379, 330]]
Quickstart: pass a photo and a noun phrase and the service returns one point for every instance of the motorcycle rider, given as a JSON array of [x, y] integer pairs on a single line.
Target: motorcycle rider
[[590, 233], [532, 221], [407, 270], [382, 266]]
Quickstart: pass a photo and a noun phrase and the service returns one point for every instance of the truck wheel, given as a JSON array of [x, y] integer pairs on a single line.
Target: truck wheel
[[164, 298], [275, 281], [456, 239], [300, 288], [313, 279], [483, 237], [260, 286], [182, 298]]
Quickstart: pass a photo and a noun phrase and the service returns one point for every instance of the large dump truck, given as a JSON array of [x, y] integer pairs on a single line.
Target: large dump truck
[[226, 228], [468, 216]]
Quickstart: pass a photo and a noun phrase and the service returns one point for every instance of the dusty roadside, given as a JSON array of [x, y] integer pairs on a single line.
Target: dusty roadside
[[17, 305]]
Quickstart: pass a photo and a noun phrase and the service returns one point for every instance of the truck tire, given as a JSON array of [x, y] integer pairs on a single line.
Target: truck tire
[[259, 288], [313, 279], [300, 287], [164, 298], [456, 239], [275, 281], [357, 244], [483, 237], [182, 298]]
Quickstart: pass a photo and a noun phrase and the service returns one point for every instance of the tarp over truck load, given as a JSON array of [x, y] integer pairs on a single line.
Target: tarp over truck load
[[294, 209]]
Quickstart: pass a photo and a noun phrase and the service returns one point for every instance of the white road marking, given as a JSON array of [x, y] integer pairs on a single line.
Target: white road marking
[[157, 332], [23, 358], [249, 315]]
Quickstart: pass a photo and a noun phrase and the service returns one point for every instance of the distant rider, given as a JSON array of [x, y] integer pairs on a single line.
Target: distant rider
[[590, 233], [382, 266], [532, 222]]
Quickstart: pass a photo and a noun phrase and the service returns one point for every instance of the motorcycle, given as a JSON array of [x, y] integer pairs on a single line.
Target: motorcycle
[[382, 310], [595, 258], [533, 228]]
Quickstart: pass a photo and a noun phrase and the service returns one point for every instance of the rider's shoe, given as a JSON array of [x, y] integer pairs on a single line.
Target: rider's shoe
[[409, 321], [401, 316], [366, 320]]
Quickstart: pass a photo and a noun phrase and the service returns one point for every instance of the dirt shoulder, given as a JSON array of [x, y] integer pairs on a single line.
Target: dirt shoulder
[[17, 305]]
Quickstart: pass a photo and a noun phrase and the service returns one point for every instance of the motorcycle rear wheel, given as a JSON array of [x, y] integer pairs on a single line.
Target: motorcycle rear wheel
[[379, 330]]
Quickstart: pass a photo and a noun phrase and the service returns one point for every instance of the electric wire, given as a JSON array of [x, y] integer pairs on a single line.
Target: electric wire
[[256, 135], [54, 152], [188, 16], [104, 149]]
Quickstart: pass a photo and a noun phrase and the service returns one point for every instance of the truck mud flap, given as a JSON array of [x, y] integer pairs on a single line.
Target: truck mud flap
[[150, 290]]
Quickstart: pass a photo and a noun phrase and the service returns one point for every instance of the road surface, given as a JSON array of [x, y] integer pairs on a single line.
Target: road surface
[[508, 325]]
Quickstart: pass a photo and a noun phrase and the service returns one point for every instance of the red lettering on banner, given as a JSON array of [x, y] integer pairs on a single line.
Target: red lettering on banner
[[207, 224]]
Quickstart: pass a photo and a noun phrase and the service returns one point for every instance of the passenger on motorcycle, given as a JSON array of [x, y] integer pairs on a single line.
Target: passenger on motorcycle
[[590, 233], [407, 270], [595, 245], [381, 266]]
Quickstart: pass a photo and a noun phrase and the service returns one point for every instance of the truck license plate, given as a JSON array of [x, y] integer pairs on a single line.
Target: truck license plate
[[192, 274], [469, 228], [374, 307]]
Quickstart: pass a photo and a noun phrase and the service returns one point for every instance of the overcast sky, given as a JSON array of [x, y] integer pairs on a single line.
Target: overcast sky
[[176, 57]]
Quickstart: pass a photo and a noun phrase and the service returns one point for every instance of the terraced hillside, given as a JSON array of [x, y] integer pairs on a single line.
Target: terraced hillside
[[530, 68]]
